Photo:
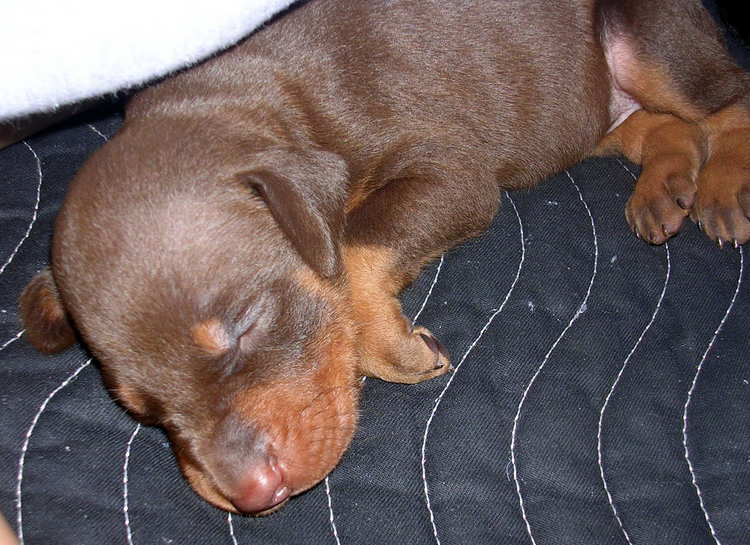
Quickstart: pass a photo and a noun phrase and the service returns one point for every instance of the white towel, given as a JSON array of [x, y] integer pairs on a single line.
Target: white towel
[[56, 52]]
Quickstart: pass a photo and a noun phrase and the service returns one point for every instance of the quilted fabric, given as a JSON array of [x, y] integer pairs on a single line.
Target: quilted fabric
[[601, 392]]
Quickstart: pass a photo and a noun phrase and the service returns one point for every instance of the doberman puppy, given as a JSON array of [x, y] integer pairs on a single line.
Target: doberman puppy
[[233, 256]]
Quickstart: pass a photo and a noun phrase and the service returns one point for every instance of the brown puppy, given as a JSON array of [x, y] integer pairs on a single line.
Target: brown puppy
[[232, 257]]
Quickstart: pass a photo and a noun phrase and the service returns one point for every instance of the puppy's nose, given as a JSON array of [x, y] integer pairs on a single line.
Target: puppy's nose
[[261, 488]]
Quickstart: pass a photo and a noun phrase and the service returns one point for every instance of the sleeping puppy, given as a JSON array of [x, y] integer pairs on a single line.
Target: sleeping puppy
[[233, 256]]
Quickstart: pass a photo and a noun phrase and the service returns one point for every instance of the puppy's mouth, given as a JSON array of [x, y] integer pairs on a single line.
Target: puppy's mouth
[[300, 445]]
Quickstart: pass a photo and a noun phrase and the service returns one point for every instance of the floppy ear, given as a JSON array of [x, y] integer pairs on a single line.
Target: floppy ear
[[47, 325], [305, 190]]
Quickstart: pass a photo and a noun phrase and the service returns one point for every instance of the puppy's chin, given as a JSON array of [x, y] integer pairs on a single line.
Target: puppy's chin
[[201, 485]]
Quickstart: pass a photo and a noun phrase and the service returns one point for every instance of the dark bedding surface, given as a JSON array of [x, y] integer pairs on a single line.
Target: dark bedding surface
[[601, 392]]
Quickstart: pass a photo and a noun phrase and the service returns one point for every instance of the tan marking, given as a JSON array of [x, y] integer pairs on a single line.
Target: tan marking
[[131, 399], [646, 136], [388, 347], [310, 417], [369, 268], [313, 283], [724, 177], [211, 336], [728, 128]]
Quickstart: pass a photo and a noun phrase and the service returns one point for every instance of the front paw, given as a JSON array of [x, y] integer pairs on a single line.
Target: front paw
[[659, 204], [404, 355], [440, 363], [722, 205]]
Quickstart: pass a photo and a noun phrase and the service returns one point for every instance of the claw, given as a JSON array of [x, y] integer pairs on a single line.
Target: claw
[[721, 243], [736, 244]]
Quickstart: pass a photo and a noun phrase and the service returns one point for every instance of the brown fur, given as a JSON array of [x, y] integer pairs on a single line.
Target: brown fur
[[233, 255], [671, 152]]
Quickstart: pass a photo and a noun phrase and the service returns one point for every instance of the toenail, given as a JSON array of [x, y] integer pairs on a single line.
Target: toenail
[[430, 342], [436, 348]]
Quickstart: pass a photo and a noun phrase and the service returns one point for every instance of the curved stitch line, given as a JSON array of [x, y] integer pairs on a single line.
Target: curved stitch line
[[429, 292], [581, 310], [599, 449], [231, 528], [125, 507], [25, 446], [623, 165], [330, 511], [36, 210], [458, 366], [10, 341], [97, 131], [693, 475]]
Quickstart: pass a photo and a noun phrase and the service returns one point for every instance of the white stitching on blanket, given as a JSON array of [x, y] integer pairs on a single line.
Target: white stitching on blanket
[[330, 511], [580, 311], [125, 507], [627, 169], [693, 475], [34, 215], [10, 341], [429, 292], [231, 529], [599, 450], [25, 446], [97, 131], [458, 366]]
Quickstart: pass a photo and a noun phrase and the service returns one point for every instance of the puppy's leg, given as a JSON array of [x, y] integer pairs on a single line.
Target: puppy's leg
[[669, 57], [390, 348], [722, 204], [395, 231], [671, 152]]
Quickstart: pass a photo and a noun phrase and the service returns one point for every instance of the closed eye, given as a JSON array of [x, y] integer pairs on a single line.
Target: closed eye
[[255, 324]]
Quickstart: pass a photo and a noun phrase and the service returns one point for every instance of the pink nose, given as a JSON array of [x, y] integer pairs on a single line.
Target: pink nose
[[262, 488]]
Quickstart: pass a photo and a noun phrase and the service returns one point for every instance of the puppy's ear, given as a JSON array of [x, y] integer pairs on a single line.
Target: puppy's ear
[[305, 190], [47, 325]]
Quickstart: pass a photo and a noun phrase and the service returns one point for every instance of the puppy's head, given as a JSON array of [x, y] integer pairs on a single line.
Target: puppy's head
[[212, 297]]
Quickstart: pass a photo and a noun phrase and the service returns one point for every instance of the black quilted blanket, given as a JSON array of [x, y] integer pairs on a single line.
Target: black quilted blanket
[[601, 393]]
